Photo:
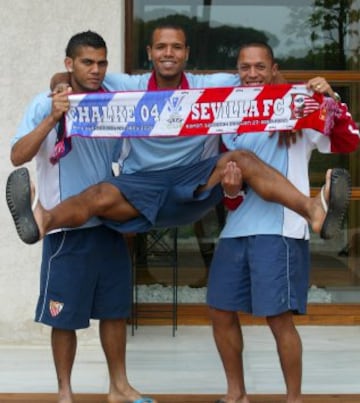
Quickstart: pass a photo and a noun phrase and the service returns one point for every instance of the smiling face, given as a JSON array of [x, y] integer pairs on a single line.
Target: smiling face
[[88, 68], [169, 53], [256, 66]]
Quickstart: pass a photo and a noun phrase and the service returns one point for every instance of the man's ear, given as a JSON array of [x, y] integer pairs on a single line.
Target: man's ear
[[69, 64], [187, 53], [148, 50], [278, 78]]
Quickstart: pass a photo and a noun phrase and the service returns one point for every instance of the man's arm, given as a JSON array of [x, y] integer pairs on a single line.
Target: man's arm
[[59, 79], [25, 149], [232, 184], [339, 124], [343, 131]]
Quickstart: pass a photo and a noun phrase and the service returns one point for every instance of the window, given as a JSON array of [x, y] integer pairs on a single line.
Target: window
[[311, 37]]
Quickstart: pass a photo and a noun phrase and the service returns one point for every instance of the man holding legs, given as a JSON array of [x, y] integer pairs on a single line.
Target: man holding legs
[[261, 264], [179, 175], [85, 272]]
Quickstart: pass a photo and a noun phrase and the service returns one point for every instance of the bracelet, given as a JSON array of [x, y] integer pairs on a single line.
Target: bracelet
[[235, 196], [337, 97]]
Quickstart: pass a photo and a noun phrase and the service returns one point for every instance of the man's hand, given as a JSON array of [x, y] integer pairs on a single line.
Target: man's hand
[[288, 137], [59, 79], [61, 87], [232, 181], [60, 103], [320, 85]]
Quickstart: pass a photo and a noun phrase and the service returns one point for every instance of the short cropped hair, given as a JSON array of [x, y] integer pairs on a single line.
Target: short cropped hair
[[86, 38], [167, 24], [263, 45]]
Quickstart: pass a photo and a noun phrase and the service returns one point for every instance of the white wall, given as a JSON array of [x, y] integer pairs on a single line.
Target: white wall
[[33, 37]]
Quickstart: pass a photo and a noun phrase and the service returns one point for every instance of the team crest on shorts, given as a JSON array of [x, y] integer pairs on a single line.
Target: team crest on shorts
[[55, 307]]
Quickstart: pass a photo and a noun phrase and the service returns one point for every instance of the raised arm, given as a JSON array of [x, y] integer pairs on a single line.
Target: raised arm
[[25, 149], [339, 124]]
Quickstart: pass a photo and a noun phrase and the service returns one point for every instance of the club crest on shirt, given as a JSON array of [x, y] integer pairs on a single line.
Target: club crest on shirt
[[55, 307]]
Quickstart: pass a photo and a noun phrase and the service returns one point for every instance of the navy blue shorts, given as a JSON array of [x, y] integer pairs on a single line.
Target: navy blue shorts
[[85, 274], [166, 198], [264, 275]]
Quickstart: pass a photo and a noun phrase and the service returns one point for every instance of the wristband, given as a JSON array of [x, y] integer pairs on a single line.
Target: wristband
[[337, 97], [235, 196]]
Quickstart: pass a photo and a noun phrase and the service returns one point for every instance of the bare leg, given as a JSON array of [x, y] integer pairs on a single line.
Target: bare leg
[[290, 353], [102, 200], [272, 186], [113, 341], [64, 349], [106, 201], [229, 342]]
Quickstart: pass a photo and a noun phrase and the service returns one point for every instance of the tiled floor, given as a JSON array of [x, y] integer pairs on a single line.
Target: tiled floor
[[188, 363]]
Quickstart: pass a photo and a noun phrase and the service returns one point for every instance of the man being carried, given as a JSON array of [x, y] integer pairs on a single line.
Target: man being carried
[[169, 181]]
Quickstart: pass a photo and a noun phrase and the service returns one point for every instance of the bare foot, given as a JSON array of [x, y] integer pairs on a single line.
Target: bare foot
[[38, 210], [226, 399], [39, 214], [296, 400], [65, 397], [125, 396], [330, 205], [318, 213]]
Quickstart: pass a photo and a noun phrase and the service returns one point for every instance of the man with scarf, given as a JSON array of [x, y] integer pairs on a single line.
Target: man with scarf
[[85, 272], [168, 182]]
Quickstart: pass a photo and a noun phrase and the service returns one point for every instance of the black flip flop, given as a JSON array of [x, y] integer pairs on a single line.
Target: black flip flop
[[336, 207], [18, 198]]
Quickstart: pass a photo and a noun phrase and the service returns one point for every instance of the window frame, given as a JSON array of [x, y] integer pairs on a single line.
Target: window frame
[[338, 77]]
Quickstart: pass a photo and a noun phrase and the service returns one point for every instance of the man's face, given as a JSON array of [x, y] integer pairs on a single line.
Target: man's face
[[255, 66], [168, 54], [87, 69]]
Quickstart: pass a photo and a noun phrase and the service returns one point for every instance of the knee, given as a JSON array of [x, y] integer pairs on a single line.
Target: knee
[[102, 194], [245, 155], [243, 158], [281, 323], [220, 318]]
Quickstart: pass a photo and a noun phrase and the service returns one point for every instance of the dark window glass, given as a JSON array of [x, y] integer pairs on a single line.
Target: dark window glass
[[308, 34], [318, 37]]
